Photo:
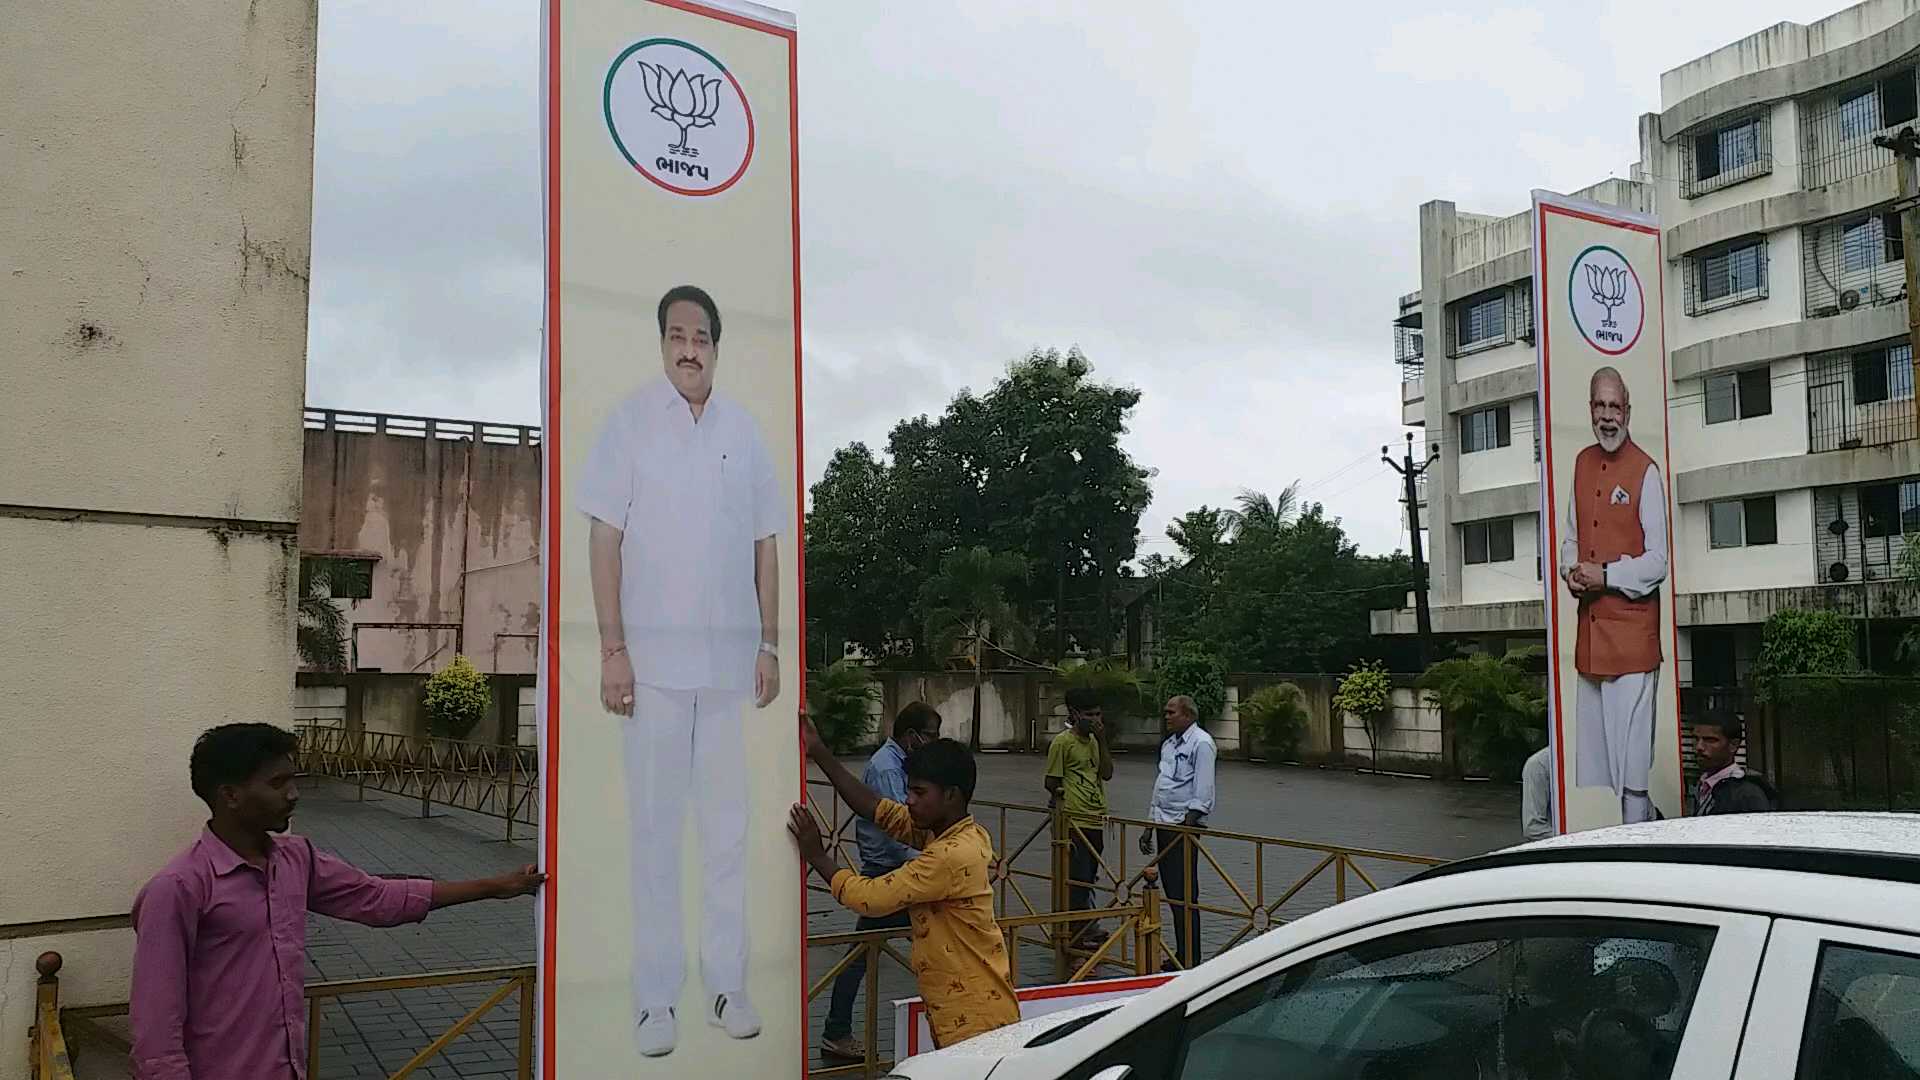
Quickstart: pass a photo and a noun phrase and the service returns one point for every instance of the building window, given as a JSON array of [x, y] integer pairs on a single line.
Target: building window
[[1722, 156], [337, 577], [1487, 429], [1884, 374], [1487, 541], [1724, 276], [1891, 509], [1870, 243], [1739, 395], [1742, 523], [1859, 115], [1483, 321]]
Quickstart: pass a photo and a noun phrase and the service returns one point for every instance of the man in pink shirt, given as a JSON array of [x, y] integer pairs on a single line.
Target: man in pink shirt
[[220, 948], [1725, 786]]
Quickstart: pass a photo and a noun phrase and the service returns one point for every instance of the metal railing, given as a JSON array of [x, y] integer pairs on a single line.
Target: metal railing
[[48, 1057], [1256, 882], [482, 778], [48, 1047], [421, 427]]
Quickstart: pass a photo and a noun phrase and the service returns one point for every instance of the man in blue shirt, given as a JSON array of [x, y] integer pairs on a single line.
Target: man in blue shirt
[[916, 726], [1183, 794]]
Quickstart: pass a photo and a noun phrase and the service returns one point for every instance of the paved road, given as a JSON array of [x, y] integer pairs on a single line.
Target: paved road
[[372, 1035]]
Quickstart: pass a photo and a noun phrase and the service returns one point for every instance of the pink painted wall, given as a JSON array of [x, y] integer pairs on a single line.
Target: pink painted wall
[[455, 524]]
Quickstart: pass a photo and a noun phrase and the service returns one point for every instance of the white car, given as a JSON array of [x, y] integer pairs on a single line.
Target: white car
[[1750, 947]]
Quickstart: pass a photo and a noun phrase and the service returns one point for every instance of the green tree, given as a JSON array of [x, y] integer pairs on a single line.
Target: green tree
[[1267, 513], [840, 701], [1198, 674], [1797, 642], [1498, 708], [1120, 688], [1367, 695], [457, 699], [321, 628], [1033, 467], [1296, 598], [964, 609], [1275, 719]]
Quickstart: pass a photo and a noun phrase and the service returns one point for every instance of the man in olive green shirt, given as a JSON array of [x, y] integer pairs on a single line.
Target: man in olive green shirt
[[1079, 764]]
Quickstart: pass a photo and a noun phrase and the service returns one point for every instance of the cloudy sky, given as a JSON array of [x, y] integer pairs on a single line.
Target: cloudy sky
[[1216, 202]]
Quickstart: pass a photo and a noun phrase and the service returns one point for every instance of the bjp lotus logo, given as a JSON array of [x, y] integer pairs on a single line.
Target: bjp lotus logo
[[685, 103], [1605, 295], [1609, 287], [678, 116]]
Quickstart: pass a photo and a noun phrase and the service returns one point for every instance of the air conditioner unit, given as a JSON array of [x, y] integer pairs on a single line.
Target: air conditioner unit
[[1850, 298]]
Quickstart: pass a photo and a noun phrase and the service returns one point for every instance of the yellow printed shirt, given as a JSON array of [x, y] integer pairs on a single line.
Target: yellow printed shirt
[[959, 957]]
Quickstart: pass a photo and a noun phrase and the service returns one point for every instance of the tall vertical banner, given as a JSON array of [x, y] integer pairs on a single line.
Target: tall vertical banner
[[1614, 723], [671, 929]]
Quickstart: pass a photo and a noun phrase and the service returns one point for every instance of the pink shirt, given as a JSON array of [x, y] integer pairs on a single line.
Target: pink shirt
[[219, 961], [1708, 782]]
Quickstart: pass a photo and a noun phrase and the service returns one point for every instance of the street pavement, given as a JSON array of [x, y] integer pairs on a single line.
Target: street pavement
[[374, 1034]]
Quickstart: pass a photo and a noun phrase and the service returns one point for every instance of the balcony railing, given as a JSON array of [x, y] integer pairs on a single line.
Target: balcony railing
[[1861, 397], [1837, 129], [1409, 350], [421, 427]]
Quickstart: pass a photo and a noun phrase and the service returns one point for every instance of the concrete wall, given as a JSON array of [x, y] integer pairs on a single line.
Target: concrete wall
[[455, 524], [1516, 579], [1023, 710], [156, 164], [1501, 466], [392, 703], [1786, 564]]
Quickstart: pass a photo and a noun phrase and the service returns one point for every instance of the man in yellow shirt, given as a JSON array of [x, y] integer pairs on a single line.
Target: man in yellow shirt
[[1078, 768], [959, 957]]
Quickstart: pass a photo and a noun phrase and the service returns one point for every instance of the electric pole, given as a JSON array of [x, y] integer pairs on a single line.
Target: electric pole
[[1409, 476], [1906, 148]]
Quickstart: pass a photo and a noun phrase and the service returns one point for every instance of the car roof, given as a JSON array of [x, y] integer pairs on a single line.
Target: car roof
[[1883, 847]]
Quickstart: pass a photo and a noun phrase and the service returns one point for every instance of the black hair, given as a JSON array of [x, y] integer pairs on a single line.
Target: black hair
[[233, 753], [692, 294], [917, 716], [1082, 698], [946, 763], [1732, 728]]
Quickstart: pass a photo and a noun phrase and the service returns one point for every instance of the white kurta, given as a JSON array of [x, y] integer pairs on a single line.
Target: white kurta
[[1613, 717], [691, 499]]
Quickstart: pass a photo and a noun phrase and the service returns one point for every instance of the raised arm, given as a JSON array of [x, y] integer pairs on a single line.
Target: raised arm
[[1106, 752], [859, 798]]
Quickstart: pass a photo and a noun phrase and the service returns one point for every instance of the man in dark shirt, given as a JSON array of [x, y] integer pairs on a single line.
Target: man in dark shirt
[[1727, 787]]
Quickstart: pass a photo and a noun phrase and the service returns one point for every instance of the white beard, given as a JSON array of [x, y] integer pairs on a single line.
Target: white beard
[[1611, 445]]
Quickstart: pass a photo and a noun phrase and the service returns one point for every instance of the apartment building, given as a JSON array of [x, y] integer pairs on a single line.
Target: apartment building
[[1465, 347], [1796, 466]]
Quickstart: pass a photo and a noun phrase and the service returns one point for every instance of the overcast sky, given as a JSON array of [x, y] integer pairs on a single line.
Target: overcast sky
[[1217, 203]]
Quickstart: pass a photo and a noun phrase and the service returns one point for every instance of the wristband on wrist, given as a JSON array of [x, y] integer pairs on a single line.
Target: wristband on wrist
[[613, 651], [770, 650]]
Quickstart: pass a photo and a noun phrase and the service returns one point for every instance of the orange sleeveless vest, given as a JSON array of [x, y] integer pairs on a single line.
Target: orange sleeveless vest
[[1617, 636]]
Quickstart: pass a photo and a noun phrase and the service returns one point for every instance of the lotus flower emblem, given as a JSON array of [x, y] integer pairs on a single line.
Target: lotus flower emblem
[[686, 102], [1609, 287]]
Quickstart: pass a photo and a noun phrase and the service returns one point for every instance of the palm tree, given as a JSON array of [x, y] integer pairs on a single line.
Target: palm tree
[[321, 626], [1259, 510], [963, 606]]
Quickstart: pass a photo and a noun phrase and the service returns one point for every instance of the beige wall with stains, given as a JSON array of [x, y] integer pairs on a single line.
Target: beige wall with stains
[[156, 165]]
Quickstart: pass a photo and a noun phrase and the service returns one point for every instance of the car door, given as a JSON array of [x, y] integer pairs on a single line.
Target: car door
[[1834, 1003], [1501, 991]]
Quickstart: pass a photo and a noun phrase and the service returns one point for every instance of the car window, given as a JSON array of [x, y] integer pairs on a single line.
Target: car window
[[1506, 1000], [1863, 1021]]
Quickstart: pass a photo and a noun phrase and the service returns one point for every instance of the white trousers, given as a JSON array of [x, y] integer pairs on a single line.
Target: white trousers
[[1614, 744], [686, 752]]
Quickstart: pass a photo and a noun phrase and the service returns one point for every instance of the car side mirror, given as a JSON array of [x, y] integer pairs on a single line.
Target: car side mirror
[[1114, 1072]]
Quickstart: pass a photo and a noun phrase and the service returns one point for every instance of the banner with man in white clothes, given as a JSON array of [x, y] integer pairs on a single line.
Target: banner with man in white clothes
[[672, 939], [1613, 720]]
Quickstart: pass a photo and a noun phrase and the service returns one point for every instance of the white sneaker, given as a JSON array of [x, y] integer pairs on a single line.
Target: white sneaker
[[734, 1013], [657, 1033]]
